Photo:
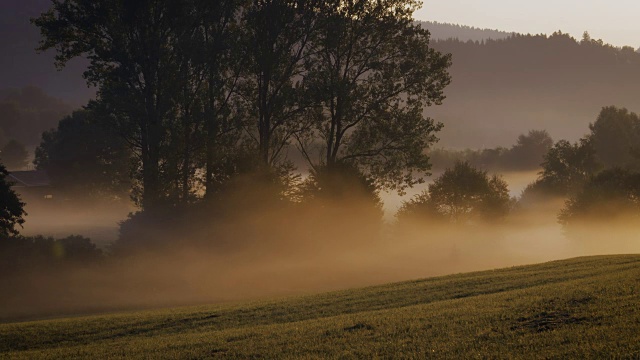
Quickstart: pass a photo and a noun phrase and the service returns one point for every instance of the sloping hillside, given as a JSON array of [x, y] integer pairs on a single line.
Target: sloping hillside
[[579, 308]]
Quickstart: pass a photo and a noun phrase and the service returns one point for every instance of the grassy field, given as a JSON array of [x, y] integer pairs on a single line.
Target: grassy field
[[578, 308]]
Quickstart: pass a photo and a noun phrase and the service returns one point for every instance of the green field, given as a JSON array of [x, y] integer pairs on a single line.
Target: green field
[[579, 308]]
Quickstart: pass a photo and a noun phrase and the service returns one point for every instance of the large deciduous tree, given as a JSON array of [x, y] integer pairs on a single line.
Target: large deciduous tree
[[131, 48], [372, 73], [461, 195], [82, 156], [611, 195], [276, 39], [566, 167], [615, 136]]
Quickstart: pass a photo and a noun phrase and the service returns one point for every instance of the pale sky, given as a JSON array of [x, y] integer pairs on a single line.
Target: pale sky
[[615, 21]]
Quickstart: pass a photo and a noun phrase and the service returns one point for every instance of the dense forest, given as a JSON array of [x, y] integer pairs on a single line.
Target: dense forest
[[445, 31], [503, 87]]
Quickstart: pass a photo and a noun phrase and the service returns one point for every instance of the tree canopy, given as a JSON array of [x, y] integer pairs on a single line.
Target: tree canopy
[[84, 158], [615, 136], [565, 169], [372, 77], [610, 195], [202, 89], [461, 195]]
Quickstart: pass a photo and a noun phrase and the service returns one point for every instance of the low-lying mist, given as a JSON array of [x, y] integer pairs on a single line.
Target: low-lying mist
[[259, 248]]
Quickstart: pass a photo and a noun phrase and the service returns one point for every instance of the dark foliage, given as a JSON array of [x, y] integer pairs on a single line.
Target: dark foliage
[[461, 195], [42, 254], [554, 81], [11, 208], [527, 154], [372, 76], [227, 220], [201, 84], [615, 136], [84, 158], [445, 31], [611, 195], [565, 169], [612, 143], [343, 187]]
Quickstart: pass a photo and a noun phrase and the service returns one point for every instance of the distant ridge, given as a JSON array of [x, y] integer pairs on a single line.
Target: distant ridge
[[445, 31]]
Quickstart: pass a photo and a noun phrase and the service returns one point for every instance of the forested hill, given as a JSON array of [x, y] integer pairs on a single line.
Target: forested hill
[[502, 88], [444, 31]]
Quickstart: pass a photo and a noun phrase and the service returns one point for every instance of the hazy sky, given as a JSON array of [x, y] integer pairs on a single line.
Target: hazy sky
[[615, 21]]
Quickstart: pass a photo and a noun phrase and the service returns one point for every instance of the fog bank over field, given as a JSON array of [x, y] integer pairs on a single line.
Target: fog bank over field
[[101, 223], [248, 150], [275, 254]]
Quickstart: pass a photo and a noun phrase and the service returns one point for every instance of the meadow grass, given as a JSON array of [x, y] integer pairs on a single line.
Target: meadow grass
[[579, 308]]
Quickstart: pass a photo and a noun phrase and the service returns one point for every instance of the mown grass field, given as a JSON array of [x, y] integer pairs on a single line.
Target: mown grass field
[[578, 308]]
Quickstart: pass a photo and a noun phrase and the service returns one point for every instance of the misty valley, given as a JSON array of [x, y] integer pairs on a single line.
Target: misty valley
[[314, 179]]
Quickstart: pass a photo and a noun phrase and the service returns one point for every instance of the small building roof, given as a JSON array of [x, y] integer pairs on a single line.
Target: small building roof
[[32, 178]]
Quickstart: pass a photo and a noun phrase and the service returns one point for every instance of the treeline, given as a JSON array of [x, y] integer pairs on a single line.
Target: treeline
[[526, 154], [445, 31], [554, 81], [596, 177], [555, 54]]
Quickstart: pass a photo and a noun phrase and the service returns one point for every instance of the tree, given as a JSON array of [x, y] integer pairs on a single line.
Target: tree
[[566, 167], [461, 195], [131, 48], [14, 155], [276, 39], [530, 149], [11, 208], [372, 74], [613, 194], [223, 64], [84, 157], [615, 136]]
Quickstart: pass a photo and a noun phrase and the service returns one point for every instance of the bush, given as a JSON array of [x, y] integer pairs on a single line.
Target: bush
[[462, 195], [39, 253], [611, 195]]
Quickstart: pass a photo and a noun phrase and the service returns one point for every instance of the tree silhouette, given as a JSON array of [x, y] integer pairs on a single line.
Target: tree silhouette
[[530, 149], [131, 48], [565, 169], [372, 76], [277, 34], [615, 136], [610, 195], [11, 208], [461, 195], [84, 158]]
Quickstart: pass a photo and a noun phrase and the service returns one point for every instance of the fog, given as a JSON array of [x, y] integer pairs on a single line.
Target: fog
[[283, 252]]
